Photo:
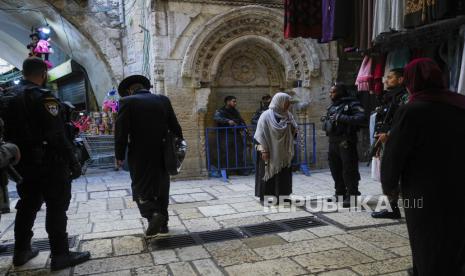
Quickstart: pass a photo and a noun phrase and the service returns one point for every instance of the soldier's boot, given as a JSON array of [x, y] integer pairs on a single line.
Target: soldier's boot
[[23, 256], [155, 223], [164, 228], [386, 214], [61, 256], [68, 259], [23, 251]]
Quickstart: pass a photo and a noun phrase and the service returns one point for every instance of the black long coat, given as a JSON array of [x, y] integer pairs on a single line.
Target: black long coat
[[426, 152], [142, 122]]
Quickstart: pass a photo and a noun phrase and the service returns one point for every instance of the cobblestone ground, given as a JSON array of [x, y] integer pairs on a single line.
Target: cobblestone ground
[[107, 223]]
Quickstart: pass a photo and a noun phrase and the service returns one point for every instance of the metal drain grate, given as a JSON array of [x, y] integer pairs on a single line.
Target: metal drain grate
[[263, 229], [42, 245], [220, 235], [173, 242], [234, 233], [301, 223]]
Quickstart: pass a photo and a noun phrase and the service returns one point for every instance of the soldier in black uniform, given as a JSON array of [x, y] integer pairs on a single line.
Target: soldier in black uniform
[[264, 104], [342, 122], [395, 96], [34, 122], [229, 116]]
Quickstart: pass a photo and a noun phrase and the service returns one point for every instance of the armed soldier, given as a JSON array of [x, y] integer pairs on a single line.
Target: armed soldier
[[395, 96], [34, 122], [342, 122], [264, 104]]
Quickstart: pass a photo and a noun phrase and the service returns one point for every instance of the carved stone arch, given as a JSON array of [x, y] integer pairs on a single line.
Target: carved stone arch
[[223, 31], [272, 49], [260, 54]]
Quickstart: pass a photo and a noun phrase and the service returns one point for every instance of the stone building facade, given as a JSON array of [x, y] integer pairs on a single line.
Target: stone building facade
[[205, 50], [196, 52]]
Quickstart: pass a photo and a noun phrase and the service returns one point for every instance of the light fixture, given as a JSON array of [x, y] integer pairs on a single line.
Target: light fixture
[[45, 30], [16, 82]]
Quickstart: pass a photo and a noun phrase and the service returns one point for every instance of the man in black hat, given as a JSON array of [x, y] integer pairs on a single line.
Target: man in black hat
[[142, 123]]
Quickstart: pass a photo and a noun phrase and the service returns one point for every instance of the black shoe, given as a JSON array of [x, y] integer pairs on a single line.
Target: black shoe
[[67, 260], [164, 229], [155, 224], [385, 214], [21, 257]]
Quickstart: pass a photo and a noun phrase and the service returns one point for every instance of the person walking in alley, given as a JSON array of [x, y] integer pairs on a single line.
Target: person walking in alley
[[274, 136], [425, 152], [344, 117], [34, 122], [141, 126]]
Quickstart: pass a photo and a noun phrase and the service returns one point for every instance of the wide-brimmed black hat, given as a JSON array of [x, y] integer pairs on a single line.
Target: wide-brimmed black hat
[[124, 85]]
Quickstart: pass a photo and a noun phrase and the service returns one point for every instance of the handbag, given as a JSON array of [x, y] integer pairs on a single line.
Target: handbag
[[174, 151]]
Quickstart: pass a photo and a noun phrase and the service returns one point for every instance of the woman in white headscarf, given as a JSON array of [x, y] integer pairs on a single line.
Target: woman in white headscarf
[[274, 136]]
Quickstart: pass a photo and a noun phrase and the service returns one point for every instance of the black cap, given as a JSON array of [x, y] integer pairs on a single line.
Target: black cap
[[124, 85]]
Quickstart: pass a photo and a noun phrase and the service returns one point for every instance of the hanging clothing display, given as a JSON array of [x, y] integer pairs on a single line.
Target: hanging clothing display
[[378, 75], [337, 21], [451, 53], [461, 84], [398, 58], [397, 15], [366, 25], [365, 77], [381, 17], [421, 12], [302, 18]]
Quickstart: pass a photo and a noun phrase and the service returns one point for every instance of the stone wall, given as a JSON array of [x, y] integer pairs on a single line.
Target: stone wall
[[195, 46]]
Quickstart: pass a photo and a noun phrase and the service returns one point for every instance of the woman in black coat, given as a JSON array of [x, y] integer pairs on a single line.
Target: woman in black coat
[[425, 151]]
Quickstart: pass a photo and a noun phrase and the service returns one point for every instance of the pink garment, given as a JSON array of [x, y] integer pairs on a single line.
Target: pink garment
[[378, 74], [365, 77], [42, 47]]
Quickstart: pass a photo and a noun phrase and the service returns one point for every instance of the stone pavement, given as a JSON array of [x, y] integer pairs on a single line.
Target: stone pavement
[[106, 222]]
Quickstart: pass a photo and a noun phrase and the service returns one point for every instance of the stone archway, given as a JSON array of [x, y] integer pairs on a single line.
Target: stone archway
[[224, 37], [300, 57]]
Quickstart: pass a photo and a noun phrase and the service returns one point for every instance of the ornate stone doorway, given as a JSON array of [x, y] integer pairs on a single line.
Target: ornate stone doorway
[[243, 53], [248, 71]]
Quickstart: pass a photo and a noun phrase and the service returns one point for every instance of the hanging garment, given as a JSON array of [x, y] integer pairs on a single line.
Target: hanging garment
[[302, 18], [328, 11], [421, 12], [337, 21], [396, 59], [381, 17], [366, 25], [461, 85], [397, 15], [365, 77], [378, 74], [452, 55]]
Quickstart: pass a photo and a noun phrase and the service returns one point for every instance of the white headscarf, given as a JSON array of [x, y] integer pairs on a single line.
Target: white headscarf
[[275, 137]]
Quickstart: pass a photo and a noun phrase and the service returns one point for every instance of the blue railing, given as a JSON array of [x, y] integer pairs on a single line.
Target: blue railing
[[232, 148]]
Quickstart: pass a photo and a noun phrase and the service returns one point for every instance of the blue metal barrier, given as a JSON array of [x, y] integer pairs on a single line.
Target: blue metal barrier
[[232, 148]]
